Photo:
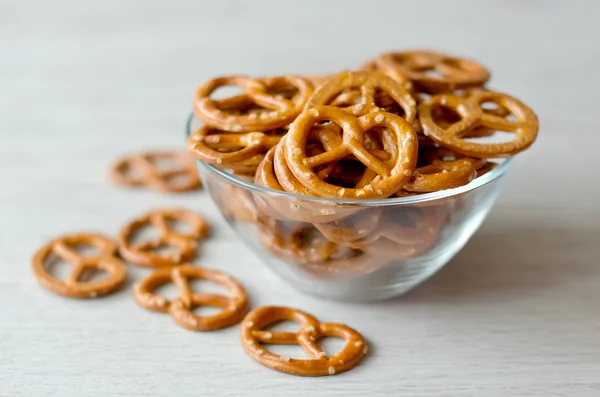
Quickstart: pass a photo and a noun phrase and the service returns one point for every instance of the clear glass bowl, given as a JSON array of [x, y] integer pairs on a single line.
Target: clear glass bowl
[[358, 250]]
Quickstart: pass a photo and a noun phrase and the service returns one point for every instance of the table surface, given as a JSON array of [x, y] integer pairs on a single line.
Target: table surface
[[517, 312]]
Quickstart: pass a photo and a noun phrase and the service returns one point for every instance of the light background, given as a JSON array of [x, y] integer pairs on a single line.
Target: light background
[[517, 312]]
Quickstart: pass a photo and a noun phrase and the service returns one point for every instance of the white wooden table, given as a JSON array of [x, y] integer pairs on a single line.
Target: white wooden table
[[517, 312]]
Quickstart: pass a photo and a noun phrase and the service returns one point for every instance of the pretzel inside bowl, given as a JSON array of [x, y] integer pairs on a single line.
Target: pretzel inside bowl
[[266, 104], [360, 91], [434, 72], [389, 176], [472, 115]]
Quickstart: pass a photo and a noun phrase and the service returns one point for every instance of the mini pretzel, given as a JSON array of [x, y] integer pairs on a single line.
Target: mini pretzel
[[472, 116], [63, 248], [181, 308], [368, 83], [390, 177], [390, 71], [454, 73], [219, 147], [154, 178], [394, 239], [253, 335], [287, 209], [277, 110], [142, 254]]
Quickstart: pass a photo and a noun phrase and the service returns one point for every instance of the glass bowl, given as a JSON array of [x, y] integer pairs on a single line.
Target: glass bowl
[[353, 250]]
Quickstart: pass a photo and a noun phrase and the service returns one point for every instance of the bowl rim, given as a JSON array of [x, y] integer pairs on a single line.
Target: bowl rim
[[476, 183]]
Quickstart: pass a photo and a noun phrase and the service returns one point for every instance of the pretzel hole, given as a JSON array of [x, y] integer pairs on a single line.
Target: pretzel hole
[[331, 345], [90, 275], [445, 116], [143, 234], [180, 226], [166, 163], [178, 180], [226, 91], [168, 291], [86, 249], [432, 73], [58, 268], [205, 286], [206, 311]]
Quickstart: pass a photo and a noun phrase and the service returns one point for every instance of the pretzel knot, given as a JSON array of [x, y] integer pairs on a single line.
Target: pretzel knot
[[143, 253], [253, 335], [181, 308], [266, 104], [472, 115], [389, 175], [434, 72], [341, 90], [152, 176], [73, 286]]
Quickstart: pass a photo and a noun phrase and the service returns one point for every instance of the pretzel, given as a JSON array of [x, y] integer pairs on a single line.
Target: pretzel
[[253, 335], [181, 308], [220, 147], [239, 203], [299, 242], [392, 72], [454, 73], [395, 239], [351, 228], [63, 248], [276, 110], [487, 167], [390, 177], [287, 209], [472, 116], [368, 83], [152, 177], [246, 167], [142, 253]]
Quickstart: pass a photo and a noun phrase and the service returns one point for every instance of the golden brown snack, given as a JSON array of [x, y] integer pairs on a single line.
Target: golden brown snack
[[368, 84], [144, 253], [65, 248], [181, 308], [151, 176], [525, 126], [434, 72], [277, 101], [222, 147], [390, 175], [253, 336]]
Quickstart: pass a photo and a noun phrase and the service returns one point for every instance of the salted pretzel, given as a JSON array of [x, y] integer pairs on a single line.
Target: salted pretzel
[[454, 73], [150, 175], [181, 308], [274, 109], [368, 84], [472, 116], [390, 177], [65, 248], [390, 71], [253, 336], [221, 147], [296, 209], [144, 253]]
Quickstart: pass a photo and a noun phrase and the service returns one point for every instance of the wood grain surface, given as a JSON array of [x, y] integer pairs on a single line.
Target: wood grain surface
[[516, 313]]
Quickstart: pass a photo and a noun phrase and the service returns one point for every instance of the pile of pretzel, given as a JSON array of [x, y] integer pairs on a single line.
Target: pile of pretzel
[[390, 129], [177, 268]]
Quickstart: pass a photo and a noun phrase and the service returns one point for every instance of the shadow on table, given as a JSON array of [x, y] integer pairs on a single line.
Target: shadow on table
[[498, 261]]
